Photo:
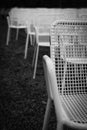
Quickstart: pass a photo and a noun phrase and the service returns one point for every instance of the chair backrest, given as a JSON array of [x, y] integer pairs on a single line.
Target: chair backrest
[[17, 17], [69, 54], [43, 22]]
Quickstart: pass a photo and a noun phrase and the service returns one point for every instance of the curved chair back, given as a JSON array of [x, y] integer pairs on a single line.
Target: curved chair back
[[69, 54]]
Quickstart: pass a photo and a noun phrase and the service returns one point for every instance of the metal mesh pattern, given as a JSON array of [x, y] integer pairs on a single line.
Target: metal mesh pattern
[[76, 107], [69, 54]]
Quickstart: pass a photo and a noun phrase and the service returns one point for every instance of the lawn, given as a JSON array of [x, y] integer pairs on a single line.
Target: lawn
[[22, 98]]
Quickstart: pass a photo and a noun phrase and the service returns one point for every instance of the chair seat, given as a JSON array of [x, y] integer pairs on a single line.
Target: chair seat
[[44, 44], [75, 107], [17, 26]]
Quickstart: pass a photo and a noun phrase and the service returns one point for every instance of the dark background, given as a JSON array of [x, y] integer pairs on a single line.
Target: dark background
[[44, 3]]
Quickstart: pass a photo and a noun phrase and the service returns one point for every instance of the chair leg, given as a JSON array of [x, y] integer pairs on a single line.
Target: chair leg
[[47, 114], [33, 61], [26, 46], [31, 39], [17, 33], [8, 36], [35, 46], [36, 59]]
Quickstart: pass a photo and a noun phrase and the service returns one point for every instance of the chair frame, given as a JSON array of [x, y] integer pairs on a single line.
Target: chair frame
[[52, 89], [42, 21], [17, 26], [38, 44]]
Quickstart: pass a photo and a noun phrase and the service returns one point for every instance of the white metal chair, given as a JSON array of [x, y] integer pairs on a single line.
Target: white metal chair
[[66, 75], [41, 26], [42, 39], [13, 22]]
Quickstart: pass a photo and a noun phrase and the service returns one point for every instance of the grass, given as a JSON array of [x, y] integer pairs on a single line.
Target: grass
[[22, 98]]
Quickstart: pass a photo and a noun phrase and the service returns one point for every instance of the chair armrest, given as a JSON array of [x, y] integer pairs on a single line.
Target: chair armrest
[[51, 83]]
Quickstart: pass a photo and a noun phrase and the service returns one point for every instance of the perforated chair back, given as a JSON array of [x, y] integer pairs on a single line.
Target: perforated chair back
[[69, 54]]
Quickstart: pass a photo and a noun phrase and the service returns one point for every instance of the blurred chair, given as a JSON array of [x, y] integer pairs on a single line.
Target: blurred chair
[[66, 75], [14, 22], [41, 27], [41, 39]]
